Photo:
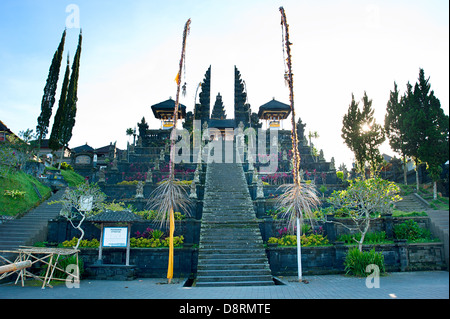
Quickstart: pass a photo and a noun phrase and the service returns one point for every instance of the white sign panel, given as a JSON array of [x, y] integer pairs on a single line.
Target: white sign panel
[[115, 236]]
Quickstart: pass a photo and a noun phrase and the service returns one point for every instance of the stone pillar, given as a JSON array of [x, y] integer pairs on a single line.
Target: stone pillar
[[402, 247], [268, 228], [330, 228], [260, 207], [389, 225], [340, 252], [189, 233]]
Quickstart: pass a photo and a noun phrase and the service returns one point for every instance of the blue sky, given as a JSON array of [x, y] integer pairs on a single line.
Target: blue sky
[[131, 51]]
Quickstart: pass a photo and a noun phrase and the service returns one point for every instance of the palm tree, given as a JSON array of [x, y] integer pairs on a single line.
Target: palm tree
[[299, 200], [170, 195], [313, 135], [129, 132]]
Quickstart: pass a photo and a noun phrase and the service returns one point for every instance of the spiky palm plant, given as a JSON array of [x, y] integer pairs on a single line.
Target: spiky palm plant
[[299, 199], [169, 196]]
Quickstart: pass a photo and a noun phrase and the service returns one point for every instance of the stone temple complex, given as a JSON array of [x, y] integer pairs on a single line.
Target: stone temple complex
[[231, 191], [231, 167], [150, 151]]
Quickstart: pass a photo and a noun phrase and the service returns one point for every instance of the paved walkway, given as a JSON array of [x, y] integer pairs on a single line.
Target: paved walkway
[[400, 285]]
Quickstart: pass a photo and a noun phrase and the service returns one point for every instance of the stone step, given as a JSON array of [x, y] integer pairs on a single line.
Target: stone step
[[25, 230], [221, 246], [231, 250], [236, 266], [235, 283], [232, 259], [220, 280], [21, 226], [234, 274]]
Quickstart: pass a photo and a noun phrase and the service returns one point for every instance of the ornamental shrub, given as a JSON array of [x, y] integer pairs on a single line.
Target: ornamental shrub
[[291, 240], [356, 261], [94, 243], [410, 231]]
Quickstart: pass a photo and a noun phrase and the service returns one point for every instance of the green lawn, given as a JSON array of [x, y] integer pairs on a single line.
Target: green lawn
[[19, 181]]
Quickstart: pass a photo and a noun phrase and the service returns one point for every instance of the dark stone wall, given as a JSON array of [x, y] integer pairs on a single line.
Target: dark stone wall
[[147, 262], [399, 256]]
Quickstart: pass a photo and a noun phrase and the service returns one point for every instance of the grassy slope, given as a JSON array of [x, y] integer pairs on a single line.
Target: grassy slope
[[22, 182], [72, 178]]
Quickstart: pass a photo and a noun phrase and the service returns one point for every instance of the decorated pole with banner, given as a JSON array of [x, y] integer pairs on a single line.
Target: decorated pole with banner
[[172, 149], [298, 200]]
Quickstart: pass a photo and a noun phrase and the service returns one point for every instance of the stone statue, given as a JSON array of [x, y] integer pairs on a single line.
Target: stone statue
[[139, 190], [196, 176], [101, 176], [259, 189], [255, 177], [161, 155], [114, 164], [193, 193], [148, 179]]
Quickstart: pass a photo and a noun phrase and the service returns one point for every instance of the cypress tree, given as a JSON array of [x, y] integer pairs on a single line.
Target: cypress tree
[[72, 98], [55, 136], [48, 99]]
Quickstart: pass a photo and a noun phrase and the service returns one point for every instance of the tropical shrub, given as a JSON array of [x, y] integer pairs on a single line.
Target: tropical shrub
[[94, 243], [313, 240], [152, 215], [14, 194], [155, 242], [411, 231], [356, 261], [370, 238], [63, 263], [291, 240]]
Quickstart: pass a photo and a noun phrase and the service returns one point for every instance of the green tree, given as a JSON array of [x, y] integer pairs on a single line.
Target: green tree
[[70, 109], [362, 135], [351, 134], [373, 136], [55, 141], [48, 99], [395, 127], [411, 124], [434, 139], [81, 201], [365, 200]]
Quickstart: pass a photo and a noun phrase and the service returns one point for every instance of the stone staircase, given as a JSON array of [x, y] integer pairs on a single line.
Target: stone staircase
[[30, 228], [439, 228], [231, 251], [411, 203]]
